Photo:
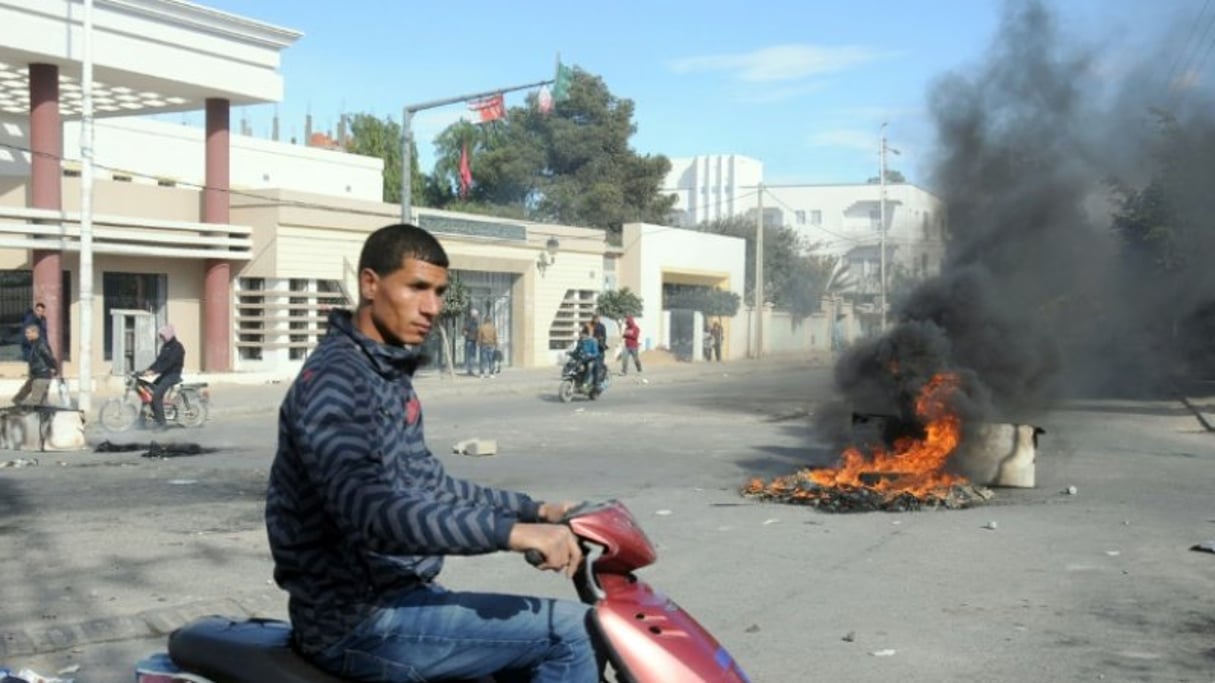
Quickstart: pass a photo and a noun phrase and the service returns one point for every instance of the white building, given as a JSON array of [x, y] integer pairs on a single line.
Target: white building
[[151, 152], [657, 256], [713, 186], [844, 220]]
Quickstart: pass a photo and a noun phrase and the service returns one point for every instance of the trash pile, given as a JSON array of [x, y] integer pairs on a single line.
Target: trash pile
[[28, 676]]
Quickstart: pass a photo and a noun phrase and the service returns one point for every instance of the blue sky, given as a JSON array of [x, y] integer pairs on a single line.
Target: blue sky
[[801, 85]]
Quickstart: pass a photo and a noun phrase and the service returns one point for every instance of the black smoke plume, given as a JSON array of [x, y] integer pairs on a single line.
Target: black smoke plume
[[1080, 236]]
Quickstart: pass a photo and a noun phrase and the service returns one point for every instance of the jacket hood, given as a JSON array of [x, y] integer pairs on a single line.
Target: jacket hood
[[388, 359]]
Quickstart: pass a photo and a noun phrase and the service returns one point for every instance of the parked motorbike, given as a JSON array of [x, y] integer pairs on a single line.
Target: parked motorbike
[[646, 637], [185, 404], [576, 379]]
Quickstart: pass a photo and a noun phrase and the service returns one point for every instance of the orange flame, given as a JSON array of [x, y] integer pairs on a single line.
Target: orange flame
[[914, 466]]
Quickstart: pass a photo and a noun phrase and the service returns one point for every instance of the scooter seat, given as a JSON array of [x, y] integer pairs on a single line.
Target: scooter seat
[[250, 651], [253, 651]]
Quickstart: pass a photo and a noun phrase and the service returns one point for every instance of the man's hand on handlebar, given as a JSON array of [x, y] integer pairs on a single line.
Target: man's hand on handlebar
[[554, 513], [554, 541]]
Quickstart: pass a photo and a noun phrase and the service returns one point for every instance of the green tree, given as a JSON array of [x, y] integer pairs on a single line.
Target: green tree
[[456, 302], [892, 176], [619, 304], [381, 138], [794, 276], [573, 165], [710, 301]]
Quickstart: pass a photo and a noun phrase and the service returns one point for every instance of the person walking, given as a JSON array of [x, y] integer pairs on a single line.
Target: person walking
[[42, 369], [471, 326], [487, 343], [632, 336], [35, 316], [715, 332]]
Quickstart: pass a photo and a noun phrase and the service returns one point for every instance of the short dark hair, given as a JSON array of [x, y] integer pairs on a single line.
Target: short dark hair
[[386, 249], [39, 305]]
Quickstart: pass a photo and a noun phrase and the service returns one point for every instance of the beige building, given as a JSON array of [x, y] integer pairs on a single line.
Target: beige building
[[245, 245]]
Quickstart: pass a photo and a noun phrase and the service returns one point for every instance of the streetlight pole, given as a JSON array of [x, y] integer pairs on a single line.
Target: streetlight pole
[[407, 137], [882, 223], [759, 274], [85, 374]]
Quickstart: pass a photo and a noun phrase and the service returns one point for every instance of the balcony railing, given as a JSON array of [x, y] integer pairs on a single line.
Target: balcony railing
[[24, 228]]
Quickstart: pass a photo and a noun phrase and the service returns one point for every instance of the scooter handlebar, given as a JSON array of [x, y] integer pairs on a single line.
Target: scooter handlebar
[[534, 557]]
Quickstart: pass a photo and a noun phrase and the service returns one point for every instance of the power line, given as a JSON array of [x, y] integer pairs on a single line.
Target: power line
[[1185, 46], [1193, 63]]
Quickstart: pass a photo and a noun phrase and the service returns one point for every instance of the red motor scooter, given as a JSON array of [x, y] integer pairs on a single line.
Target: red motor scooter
[[646, 637]]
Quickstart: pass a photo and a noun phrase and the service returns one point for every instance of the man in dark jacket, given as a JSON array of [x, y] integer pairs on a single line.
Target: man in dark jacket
[[360, 513], [34, 316], [168, 366], [42, 368]]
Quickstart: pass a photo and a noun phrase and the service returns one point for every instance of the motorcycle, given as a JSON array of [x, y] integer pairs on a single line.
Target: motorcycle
[[576, 379], [185, 404], [646, 637]]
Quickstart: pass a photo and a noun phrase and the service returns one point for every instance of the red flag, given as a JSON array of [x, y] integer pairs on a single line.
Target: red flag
[[465, 172], [545, 100], [491, 108]]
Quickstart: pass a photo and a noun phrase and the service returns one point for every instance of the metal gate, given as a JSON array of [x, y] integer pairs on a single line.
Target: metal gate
[[490, 294], [683, 333]]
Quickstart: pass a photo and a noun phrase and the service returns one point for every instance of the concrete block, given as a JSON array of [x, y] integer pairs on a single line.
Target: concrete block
[[477, 447], [63, 430]]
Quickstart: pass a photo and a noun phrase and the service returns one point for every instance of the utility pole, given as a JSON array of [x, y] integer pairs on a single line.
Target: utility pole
[[882, 223], [85, 374], [407, 137], [759, 274]]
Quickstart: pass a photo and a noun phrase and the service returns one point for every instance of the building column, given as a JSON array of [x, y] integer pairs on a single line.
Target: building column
[[217, 285], [46, 192]]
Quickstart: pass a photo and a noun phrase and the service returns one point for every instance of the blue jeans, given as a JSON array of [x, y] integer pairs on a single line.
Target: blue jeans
[[430, 633], [487, 360], [470, 355]]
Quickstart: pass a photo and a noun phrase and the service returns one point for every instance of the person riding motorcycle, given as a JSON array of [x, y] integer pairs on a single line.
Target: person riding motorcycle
[[586, 351], [168, 365]]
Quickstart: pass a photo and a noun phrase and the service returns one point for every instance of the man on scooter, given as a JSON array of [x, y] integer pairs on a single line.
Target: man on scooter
[[360, 513]]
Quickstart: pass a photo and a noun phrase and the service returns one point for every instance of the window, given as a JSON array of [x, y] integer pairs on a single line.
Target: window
[[800, 217], [250, 318], [816, 217], [137, 291], [17, 297]]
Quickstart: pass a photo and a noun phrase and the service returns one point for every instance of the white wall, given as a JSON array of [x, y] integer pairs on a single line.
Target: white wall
[[153, 150], [713, 186], [176, 49], [915, 217], [651, 249]]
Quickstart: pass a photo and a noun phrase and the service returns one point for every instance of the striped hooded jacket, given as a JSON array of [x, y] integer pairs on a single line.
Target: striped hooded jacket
[[358, 509]]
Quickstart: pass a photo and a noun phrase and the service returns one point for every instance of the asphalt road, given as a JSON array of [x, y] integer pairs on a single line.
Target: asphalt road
[[1097, 585]]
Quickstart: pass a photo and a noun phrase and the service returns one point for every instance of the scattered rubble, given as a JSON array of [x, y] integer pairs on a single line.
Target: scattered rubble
[[1207, 547], [476, 446], [29, 676]]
